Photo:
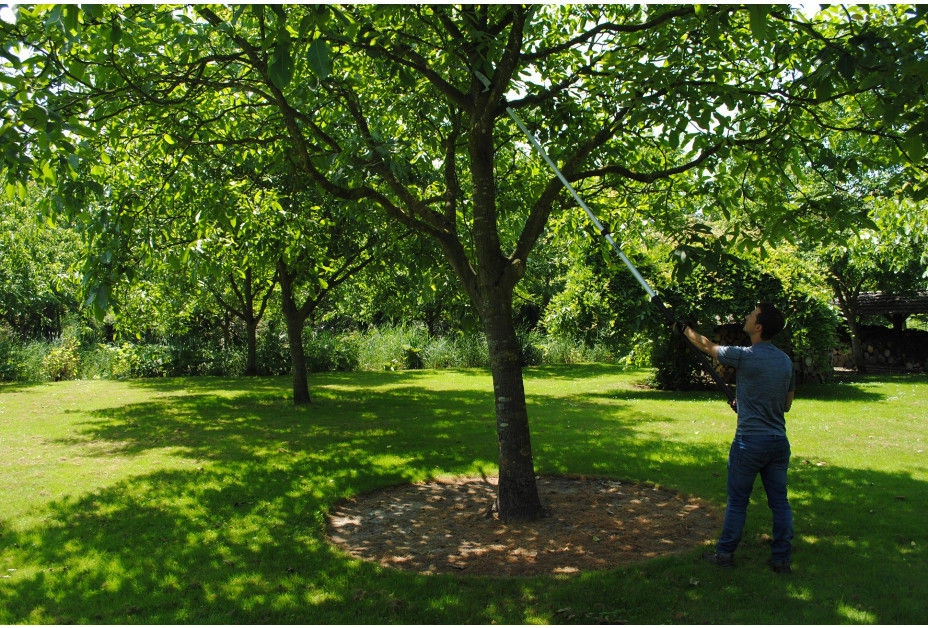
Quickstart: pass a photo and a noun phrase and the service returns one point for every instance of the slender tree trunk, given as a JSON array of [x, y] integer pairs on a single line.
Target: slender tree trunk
[[496, 277], [251, 340], [295, 322], [251, 324], [297, 359], [517, 497], [848, 302]]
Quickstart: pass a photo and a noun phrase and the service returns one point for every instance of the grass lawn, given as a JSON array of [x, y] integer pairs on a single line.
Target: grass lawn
[[204, 500]]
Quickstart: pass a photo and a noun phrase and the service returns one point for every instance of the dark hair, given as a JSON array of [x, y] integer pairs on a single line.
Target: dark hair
[[770, 319]]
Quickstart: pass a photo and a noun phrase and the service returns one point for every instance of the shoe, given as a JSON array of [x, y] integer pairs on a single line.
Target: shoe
[[719, 559], [779, 566]]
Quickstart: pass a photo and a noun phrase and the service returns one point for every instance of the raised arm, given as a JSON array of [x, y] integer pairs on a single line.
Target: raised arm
[[700, 342]]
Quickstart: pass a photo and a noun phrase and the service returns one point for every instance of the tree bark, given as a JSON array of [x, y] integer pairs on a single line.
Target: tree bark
[[848, 303], [497, 275], [517, 496], [295, 322], [251, 325]]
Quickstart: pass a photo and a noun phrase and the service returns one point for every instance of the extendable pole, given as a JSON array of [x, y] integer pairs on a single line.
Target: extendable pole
[[608, 235], [544, 155]]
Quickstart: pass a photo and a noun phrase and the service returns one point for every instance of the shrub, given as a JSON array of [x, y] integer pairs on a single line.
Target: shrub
[[326, 351], [811, 336], [412, 357], [273, 354], [62, 361], [530, 352]]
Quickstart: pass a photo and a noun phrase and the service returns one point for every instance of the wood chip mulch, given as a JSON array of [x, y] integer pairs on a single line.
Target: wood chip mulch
[[443, 526]]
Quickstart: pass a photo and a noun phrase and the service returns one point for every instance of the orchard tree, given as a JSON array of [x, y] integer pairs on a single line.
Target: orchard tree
[[39, 284], [405, 108], [891, 256]]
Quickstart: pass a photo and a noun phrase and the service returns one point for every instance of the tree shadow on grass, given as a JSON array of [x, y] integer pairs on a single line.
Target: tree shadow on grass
[[239, 536]]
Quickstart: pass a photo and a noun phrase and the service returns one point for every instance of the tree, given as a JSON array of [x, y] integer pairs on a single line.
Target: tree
[[39, 285], [325, 249], [892, 257], [383, 104], [678, 104]]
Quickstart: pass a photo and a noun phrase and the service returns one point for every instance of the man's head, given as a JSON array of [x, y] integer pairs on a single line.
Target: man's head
[[769, 318]]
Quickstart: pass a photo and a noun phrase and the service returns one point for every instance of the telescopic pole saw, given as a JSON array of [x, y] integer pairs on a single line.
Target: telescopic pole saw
[[655, 299]]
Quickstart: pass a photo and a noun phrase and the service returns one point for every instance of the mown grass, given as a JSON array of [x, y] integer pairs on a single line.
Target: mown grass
[[204, 500]]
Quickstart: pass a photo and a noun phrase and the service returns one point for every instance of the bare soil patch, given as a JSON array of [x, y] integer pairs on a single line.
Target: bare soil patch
[[447, 526]]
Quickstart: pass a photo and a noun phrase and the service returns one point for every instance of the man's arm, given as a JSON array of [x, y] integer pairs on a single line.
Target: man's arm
[[701, 342], [789, 400]]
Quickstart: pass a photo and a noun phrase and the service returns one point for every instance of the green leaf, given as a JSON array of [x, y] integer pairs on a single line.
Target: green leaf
[[115, 33], [914, 147], [758, 21], [319, 60], [92, 11], [14, 61], [36, 117], [280, 70], [846, 66]]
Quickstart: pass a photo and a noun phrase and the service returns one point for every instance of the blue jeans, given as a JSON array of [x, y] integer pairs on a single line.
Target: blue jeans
[[768, 456]]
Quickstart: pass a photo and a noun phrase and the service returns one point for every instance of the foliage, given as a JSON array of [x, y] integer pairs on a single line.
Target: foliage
[[720, 289], [118, 105], [8, 354], [63, 361], [456, 351], [38, 286], [326, 351]]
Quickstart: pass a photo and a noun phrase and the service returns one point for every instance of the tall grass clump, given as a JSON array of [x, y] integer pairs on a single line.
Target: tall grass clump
[[81, 355], [31, 357], [9, 354], [326, 351], [392, 348], [458, 351]]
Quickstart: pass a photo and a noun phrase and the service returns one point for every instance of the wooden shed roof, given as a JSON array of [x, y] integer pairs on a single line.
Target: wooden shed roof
[[883, 303]]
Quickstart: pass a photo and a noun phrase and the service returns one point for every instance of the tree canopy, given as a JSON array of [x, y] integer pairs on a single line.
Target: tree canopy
[[662, 114]]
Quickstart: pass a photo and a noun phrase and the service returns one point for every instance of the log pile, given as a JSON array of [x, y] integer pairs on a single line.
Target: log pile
[[885, 350], [888, 349]]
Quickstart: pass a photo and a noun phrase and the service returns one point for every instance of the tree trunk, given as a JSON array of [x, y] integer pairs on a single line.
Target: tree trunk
[[851, 316], [517, 496], [251, 339], [847, 298], [295, 322], [495, 279], [251, 325], [297, 359]]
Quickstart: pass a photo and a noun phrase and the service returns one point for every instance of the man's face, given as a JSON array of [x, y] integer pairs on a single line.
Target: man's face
[[750, 322]]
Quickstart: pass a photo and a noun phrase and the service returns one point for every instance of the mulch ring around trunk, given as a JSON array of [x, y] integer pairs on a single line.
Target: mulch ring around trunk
[[448, 526]]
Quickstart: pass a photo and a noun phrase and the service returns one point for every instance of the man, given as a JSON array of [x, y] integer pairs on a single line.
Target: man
[[764, 393]]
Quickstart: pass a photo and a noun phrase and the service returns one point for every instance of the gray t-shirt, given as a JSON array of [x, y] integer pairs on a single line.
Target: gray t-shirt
[[763, 376]]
